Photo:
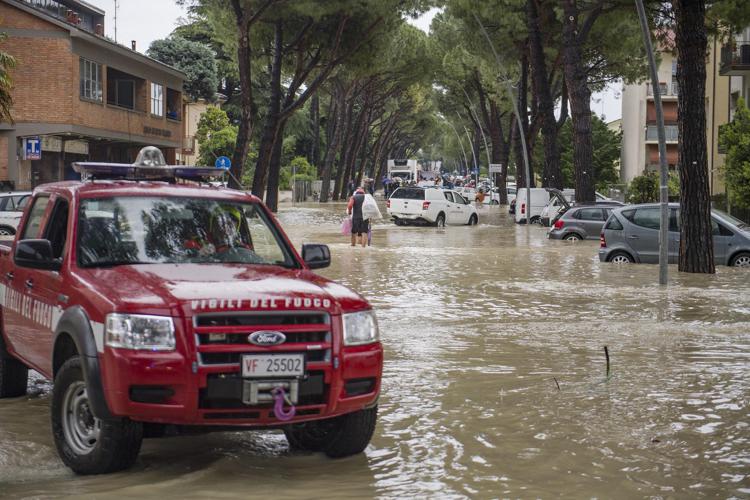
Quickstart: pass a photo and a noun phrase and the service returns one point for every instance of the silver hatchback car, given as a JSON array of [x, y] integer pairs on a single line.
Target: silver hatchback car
[[631, 234]]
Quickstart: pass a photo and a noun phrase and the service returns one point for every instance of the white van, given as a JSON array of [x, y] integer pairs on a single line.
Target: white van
[[539, 200]]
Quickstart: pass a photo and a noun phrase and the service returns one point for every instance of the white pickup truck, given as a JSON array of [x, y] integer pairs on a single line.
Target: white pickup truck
[[434, 206]]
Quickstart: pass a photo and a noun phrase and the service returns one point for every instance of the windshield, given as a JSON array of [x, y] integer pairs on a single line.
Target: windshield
[[151, 230], [731, 219]]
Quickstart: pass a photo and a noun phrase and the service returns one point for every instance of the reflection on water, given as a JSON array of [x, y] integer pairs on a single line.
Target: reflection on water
[[480, 326]]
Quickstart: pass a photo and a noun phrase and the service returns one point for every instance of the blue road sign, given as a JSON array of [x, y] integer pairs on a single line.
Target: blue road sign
[[33, 148], [223, 162], [476, 171]]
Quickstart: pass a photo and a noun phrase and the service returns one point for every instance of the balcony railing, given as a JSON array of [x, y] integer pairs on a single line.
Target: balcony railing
[[735, 57], [665, 89], [670, 131]]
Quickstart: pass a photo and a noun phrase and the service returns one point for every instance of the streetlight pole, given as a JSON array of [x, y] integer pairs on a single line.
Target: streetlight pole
[[481, 130], [474, 156], [663, 175], [460, 143]]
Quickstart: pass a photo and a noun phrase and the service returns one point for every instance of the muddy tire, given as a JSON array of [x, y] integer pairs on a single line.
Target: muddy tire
[[536, 220], [473, 220], [14, 375], [440, 221], [742, 259], [573, 237], [337, 437], [85, 443]]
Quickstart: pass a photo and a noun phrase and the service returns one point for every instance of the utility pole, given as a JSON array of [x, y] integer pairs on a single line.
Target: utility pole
[[663, 172], [115, 20]]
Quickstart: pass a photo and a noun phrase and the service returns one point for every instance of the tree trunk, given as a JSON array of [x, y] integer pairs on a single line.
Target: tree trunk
[[274, 169], [242, 145], [342, 176], [696, 239], [271, 125], [315, 119], [552, 173], [499, 150], [333, 147], [580, 104], [523, 91]]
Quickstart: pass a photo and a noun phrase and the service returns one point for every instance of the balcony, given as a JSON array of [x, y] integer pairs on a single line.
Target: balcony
[[735, 58], [670, 131], [75, 12], [667, 91]]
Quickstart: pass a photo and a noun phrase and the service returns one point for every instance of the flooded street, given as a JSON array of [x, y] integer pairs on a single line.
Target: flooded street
[[495, 382]]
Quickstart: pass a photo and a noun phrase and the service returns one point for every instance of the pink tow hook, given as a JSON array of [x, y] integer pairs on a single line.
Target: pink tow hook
[[279, 398]]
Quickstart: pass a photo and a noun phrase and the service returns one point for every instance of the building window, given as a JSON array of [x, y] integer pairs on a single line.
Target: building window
[[91, 80], [157, 99]]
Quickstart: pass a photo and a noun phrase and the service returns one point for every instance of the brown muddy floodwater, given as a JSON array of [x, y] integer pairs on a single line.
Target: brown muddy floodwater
[[477, 323]]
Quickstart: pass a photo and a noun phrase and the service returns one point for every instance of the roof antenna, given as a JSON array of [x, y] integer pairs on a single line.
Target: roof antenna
[[116, 7]]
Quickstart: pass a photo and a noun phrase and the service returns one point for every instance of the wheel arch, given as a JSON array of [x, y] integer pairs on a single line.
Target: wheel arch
[[622, 250], [74, 335], [735, 254]]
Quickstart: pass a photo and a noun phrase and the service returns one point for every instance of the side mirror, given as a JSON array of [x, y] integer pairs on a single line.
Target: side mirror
[[36, 254], [316, 256]]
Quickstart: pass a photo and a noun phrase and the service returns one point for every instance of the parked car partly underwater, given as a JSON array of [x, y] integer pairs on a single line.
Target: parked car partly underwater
[[631, 234]]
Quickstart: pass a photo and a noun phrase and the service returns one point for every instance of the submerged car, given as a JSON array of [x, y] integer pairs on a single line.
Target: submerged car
[[582, 222], [631, 235]]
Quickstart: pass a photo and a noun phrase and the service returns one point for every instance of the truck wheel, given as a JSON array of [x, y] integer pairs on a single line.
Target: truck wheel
[[440, 221], [7, 231], [14, 375], [473, 220], [337, 437], [86, 444]]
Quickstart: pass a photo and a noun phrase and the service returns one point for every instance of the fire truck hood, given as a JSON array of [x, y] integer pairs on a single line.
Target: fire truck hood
[[199, 288]]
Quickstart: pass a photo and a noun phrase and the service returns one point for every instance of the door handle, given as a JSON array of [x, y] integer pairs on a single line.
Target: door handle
[[9, 275], [633, 237], [29, 283]]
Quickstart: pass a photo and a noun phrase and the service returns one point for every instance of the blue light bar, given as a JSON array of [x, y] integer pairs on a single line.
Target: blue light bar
[[149, 165]]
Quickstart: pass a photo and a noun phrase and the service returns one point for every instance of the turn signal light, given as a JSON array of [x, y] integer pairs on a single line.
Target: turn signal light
[[602, 241], [425, 205], [559, 223]]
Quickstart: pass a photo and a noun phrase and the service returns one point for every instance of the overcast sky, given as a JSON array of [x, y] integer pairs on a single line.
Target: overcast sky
[[147, 20]]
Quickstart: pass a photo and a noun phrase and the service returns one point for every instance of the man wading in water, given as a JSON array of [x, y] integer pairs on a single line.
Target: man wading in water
[[360, 225]]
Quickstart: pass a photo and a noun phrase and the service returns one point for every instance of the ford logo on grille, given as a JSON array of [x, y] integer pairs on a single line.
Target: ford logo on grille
[[266, 338]]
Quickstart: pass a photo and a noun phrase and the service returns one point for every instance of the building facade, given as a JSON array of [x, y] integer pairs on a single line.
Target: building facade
[[77, 96], [735, 64], [640, 144]]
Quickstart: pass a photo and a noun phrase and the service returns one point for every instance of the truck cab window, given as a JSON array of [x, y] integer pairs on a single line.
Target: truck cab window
[[34, 222], [57, 228]]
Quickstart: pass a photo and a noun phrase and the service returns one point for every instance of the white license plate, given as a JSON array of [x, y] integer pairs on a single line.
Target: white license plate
[[273, 365]]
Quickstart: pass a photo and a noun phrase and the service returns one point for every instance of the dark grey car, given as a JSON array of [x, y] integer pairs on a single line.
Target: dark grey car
[[582, 222], [631, 234]]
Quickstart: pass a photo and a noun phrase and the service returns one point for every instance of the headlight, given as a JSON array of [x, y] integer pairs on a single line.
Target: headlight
[[360, 328], [140, 332]]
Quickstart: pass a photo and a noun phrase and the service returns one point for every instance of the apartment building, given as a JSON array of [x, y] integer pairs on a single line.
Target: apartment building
[[640, 144], [735, 63], [78, 96]]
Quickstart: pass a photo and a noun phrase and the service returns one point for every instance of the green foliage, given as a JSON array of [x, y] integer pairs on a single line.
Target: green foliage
[[302, 169], [195, 59], [212, 120], [735, 138], [607, 144], [645, 188], [7, 62]]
